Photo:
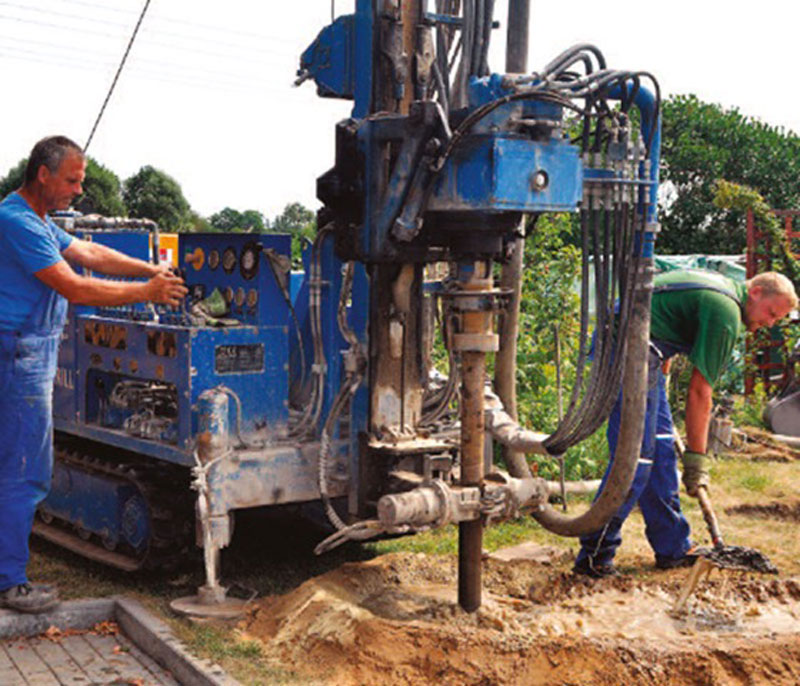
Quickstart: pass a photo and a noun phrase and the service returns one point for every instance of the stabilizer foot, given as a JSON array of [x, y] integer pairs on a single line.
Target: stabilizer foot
[[209, 605]]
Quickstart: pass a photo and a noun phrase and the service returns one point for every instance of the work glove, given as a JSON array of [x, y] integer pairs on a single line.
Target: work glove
[[695, 472]]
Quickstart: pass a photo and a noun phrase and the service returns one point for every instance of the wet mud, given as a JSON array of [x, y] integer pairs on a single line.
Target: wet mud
[[395, 620]]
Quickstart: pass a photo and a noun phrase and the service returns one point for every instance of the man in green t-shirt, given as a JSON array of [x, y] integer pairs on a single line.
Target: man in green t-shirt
[[699, 314]]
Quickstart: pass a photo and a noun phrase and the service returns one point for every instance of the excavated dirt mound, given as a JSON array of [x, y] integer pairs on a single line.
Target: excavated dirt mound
[[395, 620], [787, 512], [759, 445]]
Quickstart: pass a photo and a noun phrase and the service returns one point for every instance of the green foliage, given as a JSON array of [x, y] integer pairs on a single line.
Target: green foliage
[[198, 224], [703, 142], [550, 299], [734, 196], [13, 179], [152, 194], [101, 191], [750, 411], [298, 221], [229, 219]]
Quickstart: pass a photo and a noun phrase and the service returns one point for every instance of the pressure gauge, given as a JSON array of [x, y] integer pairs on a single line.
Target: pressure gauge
[[239, 298], [229, 260], [252, 297], [248, 263], [213, 259]]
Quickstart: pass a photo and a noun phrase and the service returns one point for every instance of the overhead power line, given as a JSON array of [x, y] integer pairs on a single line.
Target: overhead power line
[[184, 22], [148, 41], [194, 79], [116, 76], [152, 30], [102, 59]]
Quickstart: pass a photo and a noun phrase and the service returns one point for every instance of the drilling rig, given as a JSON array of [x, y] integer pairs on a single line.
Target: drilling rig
[[252, 395]]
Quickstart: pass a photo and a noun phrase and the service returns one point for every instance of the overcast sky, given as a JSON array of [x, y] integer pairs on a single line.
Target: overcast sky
[[206, 95]]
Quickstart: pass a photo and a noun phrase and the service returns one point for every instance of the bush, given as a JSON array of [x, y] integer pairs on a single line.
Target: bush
[[550, 302]]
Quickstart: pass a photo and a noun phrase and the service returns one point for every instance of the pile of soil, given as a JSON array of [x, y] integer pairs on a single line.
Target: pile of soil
[[784, 511], [759, 445], [395, 620]]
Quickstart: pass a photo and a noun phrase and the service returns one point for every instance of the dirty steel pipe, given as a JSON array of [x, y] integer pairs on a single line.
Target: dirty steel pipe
[[505, 363], [473, 341]]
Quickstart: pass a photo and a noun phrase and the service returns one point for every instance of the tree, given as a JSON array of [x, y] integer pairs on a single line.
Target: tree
[[152, 194], [198, 224], [252, 221], [703, 143], [101, 191], [13, 180], [298, 221], [229, 219], [226, 219]]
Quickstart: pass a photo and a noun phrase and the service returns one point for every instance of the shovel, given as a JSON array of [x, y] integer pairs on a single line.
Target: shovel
[[727, 556]]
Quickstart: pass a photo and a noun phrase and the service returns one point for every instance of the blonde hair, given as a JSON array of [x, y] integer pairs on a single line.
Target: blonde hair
[[772, 283]]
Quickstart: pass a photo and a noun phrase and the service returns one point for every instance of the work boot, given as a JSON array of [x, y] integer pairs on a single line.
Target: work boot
[[686, 560], [31, 598], [586, 567]]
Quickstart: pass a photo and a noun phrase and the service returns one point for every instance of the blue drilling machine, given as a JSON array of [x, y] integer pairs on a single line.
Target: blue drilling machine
[[259, 394]]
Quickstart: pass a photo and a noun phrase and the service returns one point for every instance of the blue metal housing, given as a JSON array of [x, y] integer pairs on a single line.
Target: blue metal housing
[[102, 349], [489, 173]]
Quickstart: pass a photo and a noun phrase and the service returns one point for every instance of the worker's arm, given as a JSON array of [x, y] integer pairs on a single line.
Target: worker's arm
[[163, 287], [698, 412], [105, 260]]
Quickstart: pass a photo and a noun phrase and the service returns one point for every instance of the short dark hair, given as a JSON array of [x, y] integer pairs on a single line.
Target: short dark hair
[[49, 152]]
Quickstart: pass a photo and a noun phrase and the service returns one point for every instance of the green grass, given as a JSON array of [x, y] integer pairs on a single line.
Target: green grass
[[755, 482], [242, 657], [735, 475]]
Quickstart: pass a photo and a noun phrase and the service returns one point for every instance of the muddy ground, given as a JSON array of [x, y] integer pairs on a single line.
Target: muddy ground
[[395, 620]]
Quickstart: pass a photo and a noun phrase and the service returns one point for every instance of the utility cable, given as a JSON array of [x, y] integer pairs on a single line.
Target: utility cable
[[116, 76], [184, 23], [102, 60], [169, 34]]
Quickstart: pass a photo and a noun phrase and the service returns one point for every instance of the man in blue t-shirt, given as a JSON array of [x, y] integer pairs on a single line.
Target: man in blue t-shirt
[[36, 282]]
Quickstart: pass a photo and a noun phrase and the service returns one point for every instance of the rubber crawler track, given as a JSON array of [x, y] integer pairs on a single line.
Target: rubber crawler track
[[165, 489]]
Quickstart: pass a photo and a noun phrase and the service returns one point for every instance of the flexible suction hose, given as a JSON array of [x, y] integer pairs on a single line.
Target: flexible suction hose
[[629, 443]]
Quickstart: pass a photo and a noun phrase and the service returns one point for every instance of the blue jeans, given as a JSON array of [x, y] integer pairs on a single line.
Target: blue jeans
[[655, 487], [27, 368]]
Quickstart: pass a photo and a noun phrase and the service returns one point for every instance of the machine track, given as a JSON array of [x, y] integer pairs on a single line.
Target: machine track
[[164, 489]]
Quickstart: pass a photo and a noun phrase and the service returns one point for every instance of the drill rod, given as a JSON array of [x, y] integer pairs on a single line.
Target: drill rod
[[473, 368]]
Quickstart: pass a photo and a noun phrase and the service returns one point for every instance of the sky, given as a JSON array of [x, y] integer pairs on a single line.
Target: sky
[[207, 96]]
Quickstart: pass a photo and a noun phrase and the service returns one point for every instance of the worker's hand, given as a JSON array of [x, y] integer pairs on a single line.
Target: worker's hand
[[166, 288], [695, 472], [163, 268]]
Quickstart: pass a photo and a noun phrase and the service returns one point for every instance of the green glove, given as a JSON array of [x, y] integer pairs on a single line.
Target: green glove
[[695, 472]]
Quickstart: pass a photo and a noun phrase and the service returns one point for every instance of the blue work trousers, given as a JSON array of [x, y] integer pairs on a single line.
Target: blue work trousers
[[655, 486], [27, 369]]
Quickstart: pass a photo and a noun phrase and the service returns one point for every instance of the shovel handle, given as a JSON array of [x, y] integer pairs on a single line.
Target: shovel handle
[[710, 517]]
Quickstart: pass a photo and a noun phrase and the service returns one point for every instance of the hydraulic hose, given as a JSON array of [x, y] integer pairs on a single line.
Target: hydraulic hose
[[629, 442]]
